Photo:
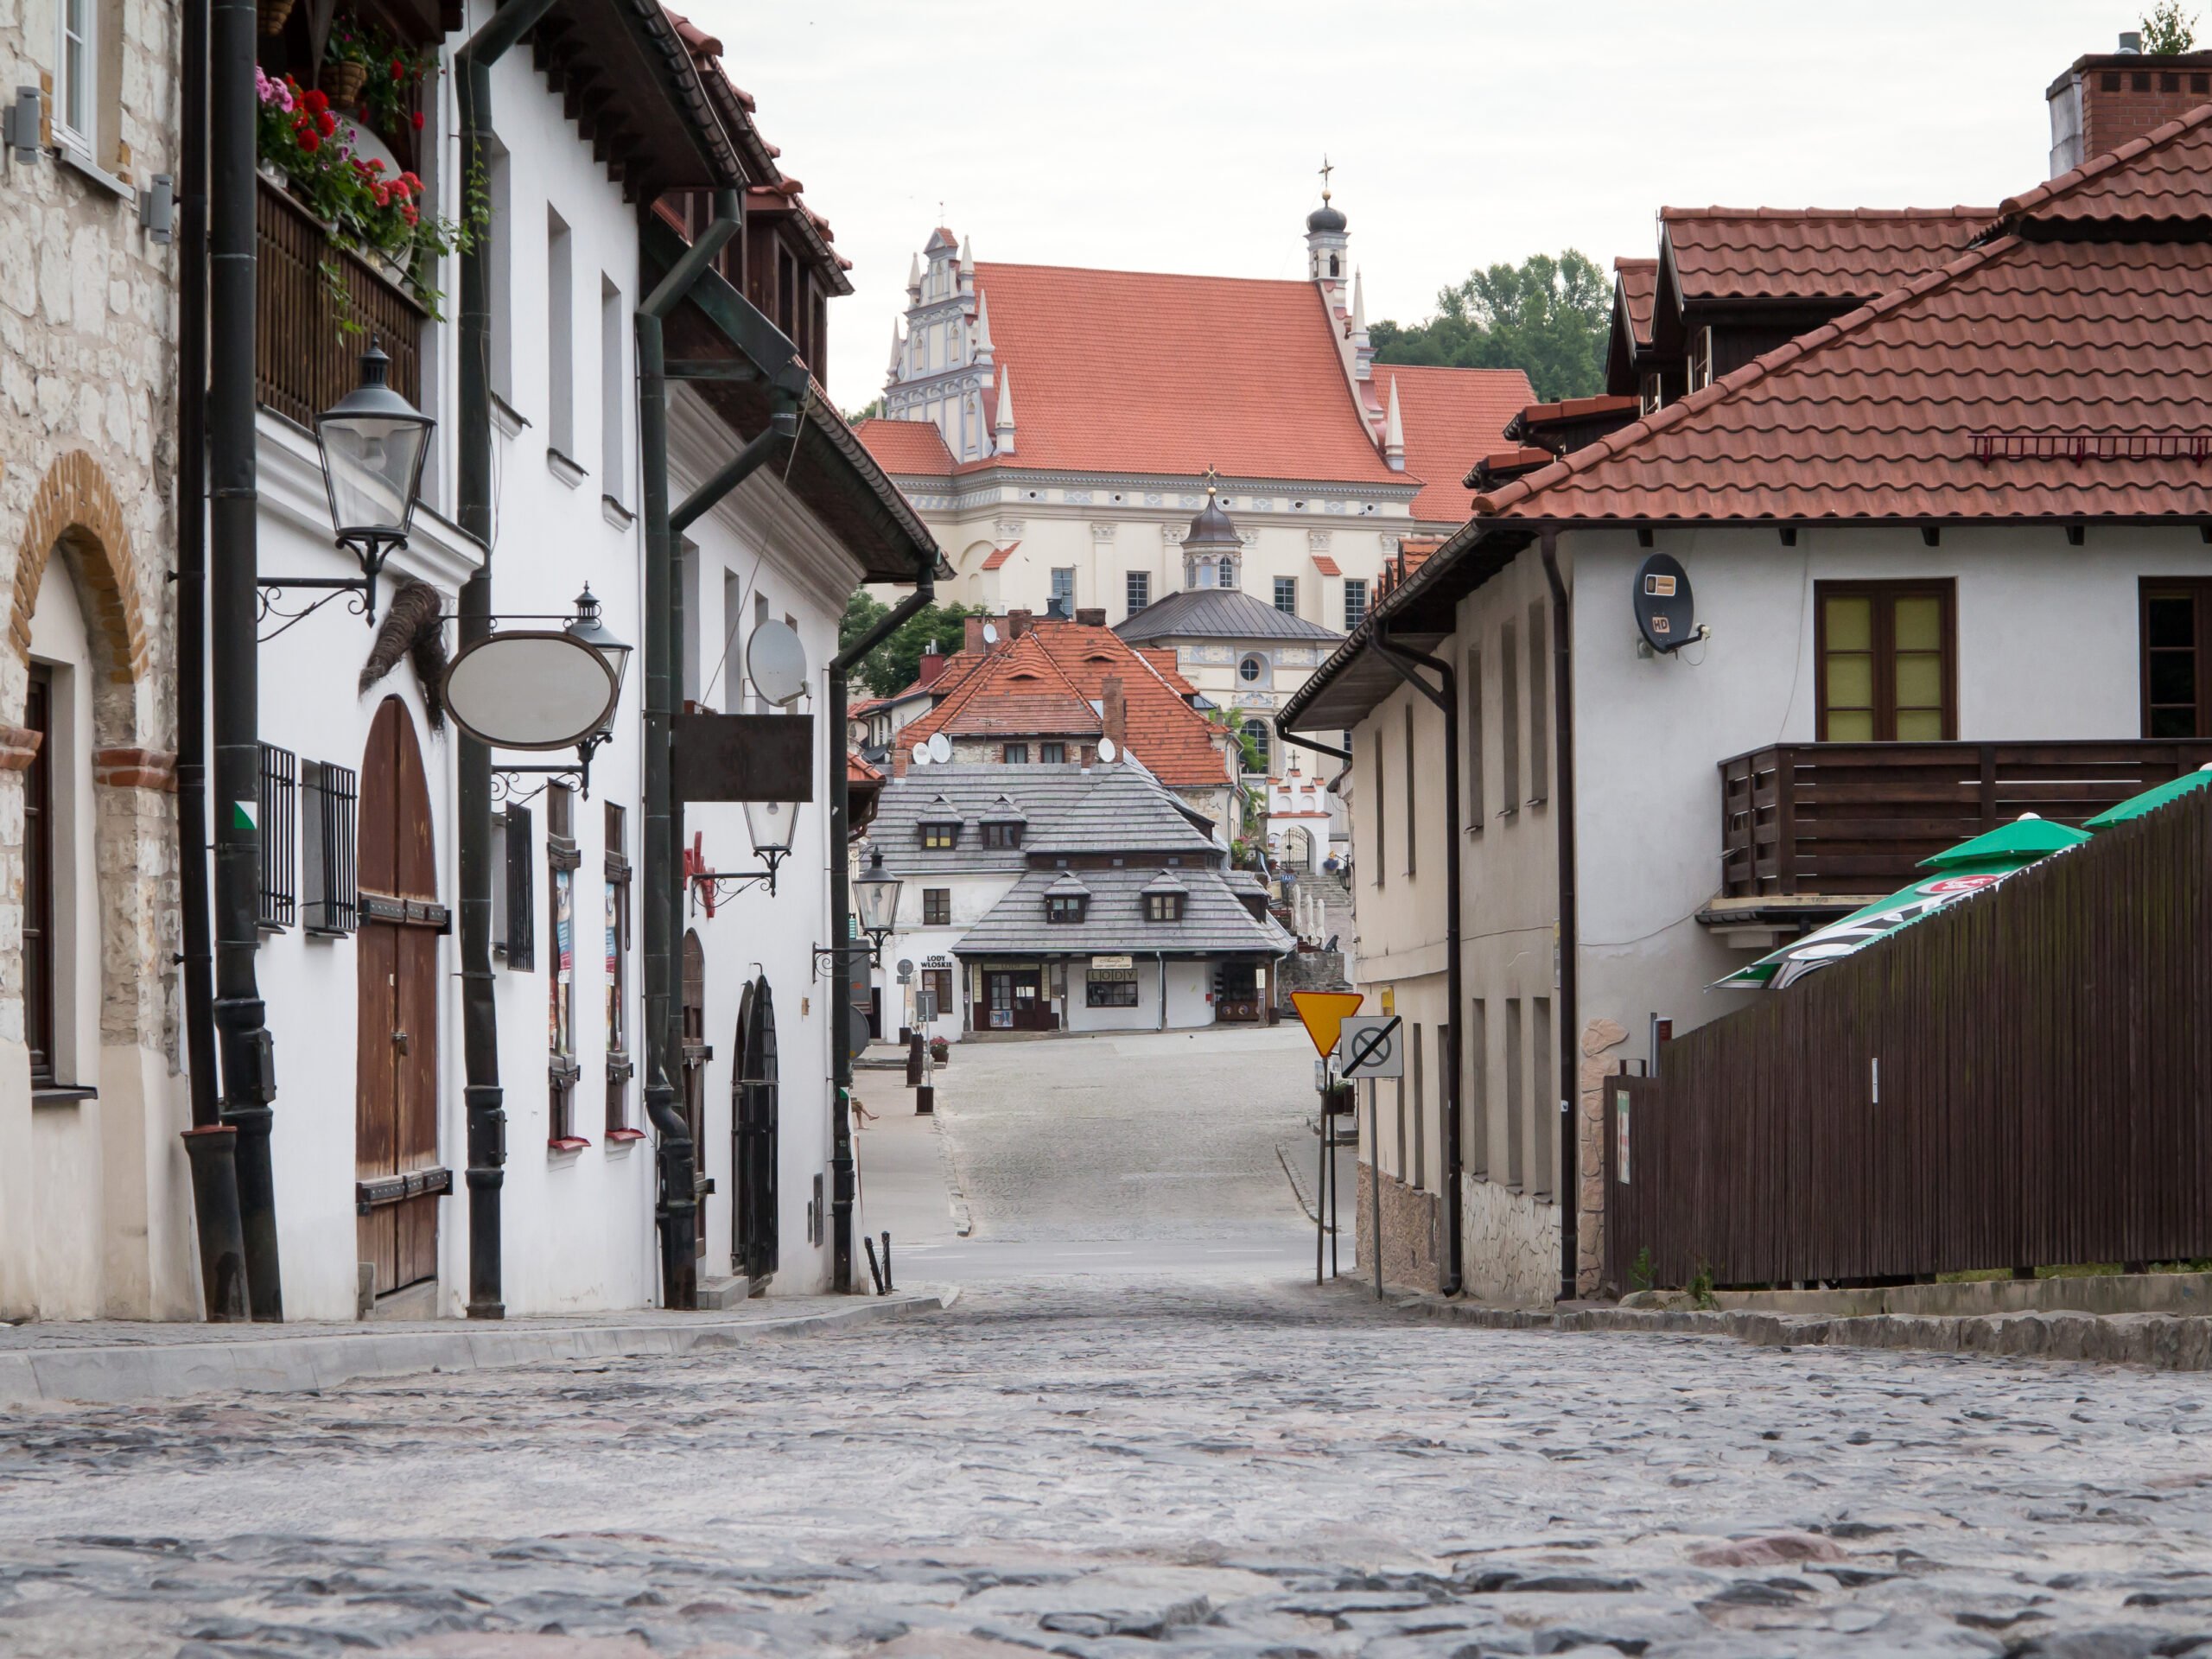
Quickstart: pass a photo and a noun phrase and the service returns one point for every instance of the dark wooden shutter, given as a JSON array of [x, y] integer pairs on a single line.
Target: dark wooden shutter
[[522, 904]]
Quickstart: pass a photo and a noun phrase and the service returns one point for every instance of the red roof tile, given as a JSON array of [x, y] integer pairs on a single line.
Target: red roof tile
[[858, 771], [905, 446], [1162, 658], [2165, 175], [1876, 414], [1635, 281], [997, 555], [1786, 254], [1327, 566], [1450, 416]]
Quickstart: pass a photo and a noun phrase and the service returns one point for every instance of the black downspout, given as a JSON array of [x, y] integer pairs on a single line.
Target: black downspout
[[676, 1210], [1448, 699], [1570, 1198], [841, 926], [211, 1144], [1289, 736], [241, 1017], [483, 1096]]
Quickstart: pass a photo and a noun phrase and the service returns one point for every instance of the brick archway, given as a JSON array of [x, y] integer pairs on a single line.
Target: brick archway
[[76, 508]]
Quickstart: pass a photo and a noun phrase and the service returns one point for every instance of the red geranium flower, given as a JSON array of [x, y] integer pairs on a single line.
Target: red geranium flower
[[418, 120], [325, 123], [410, 214], [317, 101], [310, 141], [398, 70]]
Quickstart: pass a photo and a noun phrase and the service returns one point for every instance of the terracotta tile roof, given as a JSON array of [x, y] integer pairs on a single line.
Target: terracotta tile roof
[[905, 446], [1888, 413], [998, 556], [1635, 281], [1450, 416], [1162, 658], [2164, 176], [858, 771], [1808, 253], [1204, 371], [1327, 566], [1573, 409]]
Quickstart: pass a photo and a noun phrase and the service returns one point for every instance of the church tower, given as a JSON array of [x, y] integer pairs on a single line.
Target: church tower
[[1328, 265], [944, 374]]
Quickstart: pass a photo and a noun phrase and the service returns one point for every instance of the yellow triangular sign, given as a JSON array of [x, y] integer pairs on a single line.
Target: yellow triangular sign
[[1325, 1012]]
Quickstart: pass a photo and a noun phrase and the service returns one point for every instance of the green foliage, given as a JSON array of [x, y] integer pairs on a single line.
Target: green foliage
[[1641, 1274], [892, 665], [1546, 316], [1701, 1287], [872, 410], [2166, 33]]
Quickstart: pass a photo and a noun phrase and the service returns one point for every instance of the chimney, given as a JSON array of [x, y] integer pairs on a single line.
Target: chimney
[[1018, 623], [900, 755], [2106, 98], [1091, 616], [972, 639], [931, 665], [1113, 711]]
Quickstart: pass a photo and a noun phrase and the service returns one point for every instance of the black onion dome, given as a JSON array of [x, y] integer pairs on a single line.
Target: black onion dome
[[1325, 218]]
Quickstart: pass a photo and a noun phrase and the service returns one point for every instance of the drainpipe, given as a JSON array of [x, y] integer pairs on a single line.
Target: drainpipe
[[1563, 805], [480, 1021], [211, 1144], [676, 1211], [1448, 699], [840, 925], [240, 1016]]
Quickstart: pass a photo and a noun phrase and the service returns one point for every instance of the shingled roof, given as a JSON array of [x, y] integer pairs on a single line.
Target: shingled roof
[[1808, 253], [1066, 809], [1214, 920]]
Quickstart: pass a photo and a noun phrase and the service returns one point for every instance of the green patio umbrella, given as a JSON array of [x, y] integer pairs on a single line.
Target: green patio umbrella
[[2136, 806], [1958, 873]]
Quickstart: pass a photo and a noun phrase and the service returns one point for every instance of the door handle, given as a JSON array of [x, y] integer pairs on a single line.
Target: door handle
[[399, 1040]]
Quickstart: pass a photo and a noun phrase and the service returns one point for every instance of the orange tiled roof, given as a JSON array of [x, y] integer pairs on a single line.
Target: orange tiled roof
[[1784, 253], [1162, 658], [1637, 280], [2161, 177], [997, 555], [1327, 566], [858, 771], [1450, 415], [905, 446]]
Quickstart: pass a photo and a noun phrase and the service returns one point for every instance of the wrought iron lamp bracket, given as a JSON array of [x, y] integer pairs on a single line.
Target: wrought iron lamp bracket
[[370, 550], [722, 886], [871, 947]]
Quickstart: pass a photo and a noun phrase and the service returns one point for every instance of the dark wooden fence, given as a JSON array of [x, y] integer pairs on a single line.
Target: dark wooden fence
[[304, 357], [1854, 819], [2023, 1080]]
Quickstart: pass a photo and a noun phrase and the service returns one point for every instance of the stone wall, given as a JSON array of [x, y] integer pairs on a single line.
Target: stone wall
[[1599, 1036], [1511, 1246], [1311, 971], [1412, 1233]]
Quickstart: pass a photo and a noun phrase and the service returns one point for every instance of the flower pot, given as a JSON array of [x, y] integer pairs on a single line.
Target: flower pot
[[344, 81], [273, 14]]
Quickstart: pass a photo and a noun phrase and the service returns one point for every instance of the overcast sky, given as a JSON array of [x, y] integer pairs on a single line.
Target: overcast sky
[[1184, 137]]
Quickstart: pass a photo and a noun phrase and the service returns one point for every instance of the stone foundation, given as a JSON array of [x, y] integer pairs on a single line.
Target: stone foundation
[[1598, 1037], [1412, 1233], [1512, 1245]]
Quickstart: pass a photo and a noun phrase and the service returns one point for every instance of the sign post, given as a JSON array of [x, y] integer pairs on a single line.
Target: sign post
[[1373, 1047], [1323, 1014]]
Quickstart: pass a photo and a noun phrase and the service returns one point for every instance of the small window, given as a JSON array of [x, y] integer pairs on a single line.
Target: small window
[[1701, 358], [1052, 754], [1252, 670], [1065, 906], [1163, 906], [1255, 746], [1653, 397], [1001, 835], [1015, 754], [2177, 681], [618, 1065], [561, 862], [1062, 600], [1354, 601], [940, 836], [937, 906], [560, 338], [517, 928], [613, 391], [1884, 662], [328, 798], [280, 770], [1287, 595], [76, 111], [1137, 586], [1109, 993]]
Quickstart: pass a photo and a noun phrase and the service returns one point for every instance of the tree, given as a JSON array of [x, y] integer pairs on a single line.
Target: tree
[[870, 410], [893, 665], [2166, 33], [1546, 316]]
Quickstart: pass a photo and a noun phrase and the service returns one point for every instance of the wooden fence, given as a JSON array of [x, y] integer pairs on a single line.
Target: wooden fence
[[2023, 1080], [305, 357]]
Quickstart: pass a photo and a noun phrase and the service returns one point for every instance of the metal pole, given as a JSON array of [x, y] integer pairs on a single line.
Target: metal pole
[[1375, 1182], [1321, 1177], [248, 1051], [1570, 1198]]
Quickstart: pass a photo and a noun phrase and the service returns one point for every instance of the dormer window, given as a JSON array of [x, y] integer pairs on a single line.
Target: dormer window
[[1701, 359], [938, 837], [1001, 835], [1163, 906], [1066, 907]]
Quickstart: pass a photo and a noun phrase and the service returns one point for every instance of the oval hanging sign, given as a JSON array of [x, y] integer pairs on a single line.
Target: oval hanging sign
[[531, 688]]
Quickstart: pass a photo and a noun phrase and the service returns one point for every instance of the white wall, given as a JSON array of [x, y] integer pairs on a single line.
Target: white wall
[[1145, 1016]]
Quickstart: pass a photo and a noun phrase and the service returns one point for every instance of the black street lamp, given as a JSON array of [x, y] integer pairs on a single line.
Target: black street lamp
[[875, 901], [595, 634], [373, 443]]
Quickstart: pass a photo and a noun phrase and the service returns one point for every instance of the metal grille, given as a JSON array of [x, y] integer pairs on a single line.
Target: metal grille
[[2091, 446], [280, 774], [332, 796]]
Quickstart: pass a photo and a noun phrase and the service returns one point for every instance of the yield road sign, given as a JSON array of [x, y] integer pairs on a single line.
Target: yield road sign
[[1372, 1047], [1323, 1012]]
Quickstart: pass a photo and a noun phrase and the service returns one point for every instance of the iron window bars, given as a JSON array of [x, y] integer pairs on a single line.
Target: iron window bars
[[280, 774], [329, 806]]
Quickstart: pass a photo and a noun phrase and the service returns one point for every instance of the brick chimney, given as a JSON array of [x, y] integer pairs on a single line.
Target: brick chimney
[[2106, 98], [972, 634], [1113, 711], [931, 665], [1019, 623], [901, 753], [1092, 616]]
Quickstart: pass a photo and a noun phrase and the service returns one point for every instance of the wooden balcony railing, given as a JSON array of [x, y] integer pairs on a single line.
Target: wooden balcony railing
[[304, 359], [1855, 818]]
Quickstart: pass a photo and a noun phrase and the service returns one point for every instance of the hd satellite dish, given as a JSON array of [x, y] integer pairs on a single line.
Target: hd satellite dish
[[777, 661], [1663, 612], [921, 754], [990, 635], [531, 688], [1106, 749], [940, 747]]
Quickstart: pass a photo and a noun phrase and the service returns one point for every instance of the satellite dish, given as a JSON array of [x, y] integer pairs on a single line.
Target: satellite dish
[[1663, 611], [531, 688], [940, 747], [1106, 749], [777, 661], [990, 634], [921, 754]]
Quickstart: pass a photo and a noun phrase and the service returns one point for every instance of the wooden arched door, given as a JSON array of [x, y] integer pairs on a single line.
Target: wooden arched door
[[752, 1082], [396, 1090]]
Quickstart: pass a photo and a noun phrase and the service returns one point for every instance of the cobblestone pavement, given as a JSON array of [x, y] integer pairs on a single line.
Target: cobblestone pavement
[[1109, 1467]]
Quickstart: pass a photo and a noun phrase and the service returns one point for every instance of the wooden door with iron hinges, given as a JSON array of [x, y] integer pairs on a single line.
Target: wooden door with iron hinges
[[398, 1179]]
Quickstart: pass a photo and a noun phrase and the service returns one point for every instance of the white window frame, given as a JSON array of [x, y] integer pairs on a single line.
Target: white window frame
[[77, 127], [1286, 587], [1701, 359]]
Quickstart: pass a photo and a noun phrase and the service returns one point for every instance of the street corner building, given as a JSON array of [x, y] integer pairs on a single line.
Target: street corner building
[[483, 1004], [1888, 530], [1082, 896]]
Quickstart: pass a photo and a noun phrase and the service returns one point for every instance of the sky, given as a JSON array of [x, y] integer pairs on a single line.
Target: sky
[[1151, 136]]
